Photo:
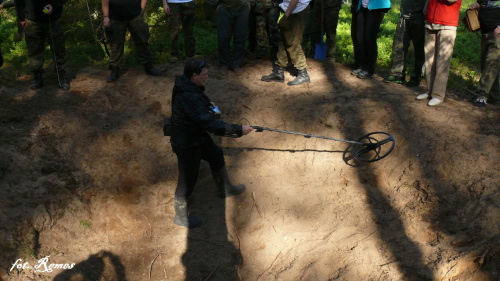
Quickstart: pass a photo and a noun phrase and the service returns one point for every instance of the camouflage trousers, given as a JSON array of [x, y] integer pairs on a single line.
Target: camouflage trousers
[[291, 41], [264, 28], [140, 35], [182, 19], [490, 63], [35, 34], [330, 21], [408, 31]]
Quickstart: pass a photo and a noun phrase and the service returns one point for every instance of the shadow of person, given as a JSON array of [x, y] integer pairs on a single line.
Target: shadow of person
[[210, 254], [101, 265]]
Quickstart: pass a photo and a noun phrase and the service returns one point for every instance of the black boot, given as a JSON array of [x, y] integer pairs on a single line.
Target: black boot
[[63, 84], [301, 78], [37, 81], [226, 188], [181, 214], [277, 75], [115, 73], [151, 70]]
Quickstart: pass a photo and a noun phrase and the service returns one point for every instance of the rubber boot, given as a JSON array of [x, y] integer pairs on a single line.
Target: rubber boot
[[181, 214], [278, 75], [37, 81], [226, 188], [151, 70], [301, 78], [63, 84], [115, 73]]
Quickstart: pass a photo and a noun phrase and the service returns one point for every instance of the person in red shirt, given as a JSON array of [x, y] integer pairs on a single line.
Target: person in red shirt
[[440, 32]]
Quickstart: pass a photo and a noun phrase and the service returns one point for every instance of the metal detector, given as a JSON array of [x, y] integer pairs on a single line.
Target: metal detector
[[370, 148]]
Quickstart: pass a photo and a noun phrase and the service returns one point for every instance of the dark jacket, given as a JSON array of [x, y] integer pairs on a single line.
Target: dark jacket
[[233, 5], [489, 15], [413, 9], [33, 10], [192, 116], [124, 9]]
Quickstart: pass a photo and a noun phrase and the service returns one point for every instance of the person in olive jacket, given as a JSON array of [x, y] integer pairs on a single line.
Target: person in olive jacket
[[41, 22], [193, 117]]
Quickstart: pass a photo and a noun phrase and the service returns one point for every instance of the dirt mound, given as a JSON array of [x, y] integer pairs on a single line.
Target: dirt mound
[[87, 181]]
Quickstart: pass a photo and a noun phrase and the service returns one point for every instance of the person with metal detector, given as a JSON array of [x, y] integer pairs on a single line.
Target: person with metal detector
[[41, 21], [193, 117], [293, 19], [120, 15]]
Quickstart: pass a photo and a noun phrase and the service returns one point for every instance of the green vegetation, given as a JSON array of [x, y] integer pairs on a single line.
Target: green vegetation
[[83, 50], [85, 224]]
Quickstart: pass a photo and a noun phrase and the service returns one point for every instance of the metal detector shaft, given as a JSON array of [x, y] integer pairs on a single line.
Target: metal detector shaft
[[260, 129]]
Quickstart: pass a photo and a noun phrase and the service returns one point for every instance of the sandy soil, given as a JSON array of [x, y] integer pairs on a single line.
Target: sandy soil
[[87, 180]]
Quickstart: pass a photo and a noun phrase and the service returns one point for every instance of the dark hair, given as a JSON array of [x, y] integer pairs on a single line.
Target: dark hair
[[193, 66]]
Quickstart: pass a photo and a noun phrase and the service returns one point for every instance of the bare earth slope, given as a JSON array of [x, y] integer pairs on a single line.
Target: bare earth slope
[[86, 178]]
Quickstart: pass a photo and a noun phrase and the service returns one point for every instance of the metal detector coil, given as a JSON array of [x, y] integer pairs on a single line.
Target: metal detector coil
[[369, 148]]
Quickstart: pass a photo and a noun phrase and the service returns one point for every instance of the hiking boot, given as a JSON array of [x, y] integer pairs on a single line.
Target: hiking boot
[[181, 214], [223, 70], [330, 59], [261, 54], [398, 79], [37, 80], [226, 188], [238, 71], [301, 78], [194, 57], [480, 102], [151, 70], [173, 59], [278, 75], [115, 73], [63, 84], [423, 96], [414, 82], [356, 71], [364, 75]]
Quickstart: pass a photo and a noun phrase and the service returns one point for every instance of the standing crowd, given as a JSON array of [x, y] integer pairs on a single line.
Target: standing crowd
[[279, 29]]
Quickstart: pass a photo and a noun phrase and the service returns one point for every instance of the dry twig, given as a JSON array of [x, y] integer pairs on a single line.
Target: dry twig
[[212, 273], [269, 269], [150, 228], [151, 266]]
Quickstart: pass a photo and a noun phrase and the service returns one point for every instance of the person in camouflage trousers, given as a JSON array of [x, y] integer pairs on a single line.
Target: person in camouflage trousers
[[41, 22], [326, 13], [489, 18], [259, 19], [274, 30], [410, 28], [182, 17]]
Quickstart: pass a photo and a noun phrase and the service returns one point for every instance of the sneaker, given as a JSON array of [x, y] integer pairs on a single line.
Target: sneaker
[[356, 71], [238, 71], [434, 102], [398, 79], [480, 102], [173, 59], [364, 75], [414, 82], [423, 96]]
